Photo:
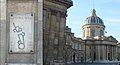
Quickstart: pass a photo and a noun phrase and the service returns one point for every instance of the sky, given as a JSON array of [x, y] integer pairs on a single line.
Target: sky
[[107, 10]]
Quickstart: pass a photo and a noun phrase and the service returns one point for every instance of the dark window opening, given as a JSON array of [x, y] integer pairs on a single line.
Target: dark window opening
[[109, 56], [74, 57], [94, 56], [81, 59]]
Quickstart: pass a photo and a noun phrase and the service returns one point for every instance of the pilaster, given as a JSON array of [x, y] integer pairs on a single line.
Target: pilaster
[[2, 31], [40, 33]]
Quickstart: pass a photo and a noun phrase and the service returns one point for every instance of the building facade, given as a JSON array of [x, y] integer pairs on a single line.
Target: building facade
[[118, 52], [24, 24], [60, 44], [54, 23], [98, 47], [94, 46], [75, 47]]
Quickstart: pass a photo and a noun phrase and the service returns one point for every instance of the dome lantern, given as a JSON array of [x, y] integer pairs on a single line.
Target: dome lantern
[[93, 12]]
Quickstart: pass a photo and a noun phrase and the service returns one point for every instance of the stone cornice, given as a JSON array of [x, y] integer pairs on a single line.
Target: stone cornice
[[99, 42], [93, 24], [55, 11], [53, 8], [67, 3]]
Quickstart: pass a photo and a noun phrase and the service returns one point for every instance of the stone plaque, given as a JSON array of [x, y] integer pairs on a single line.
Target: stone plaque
[[21, 33]]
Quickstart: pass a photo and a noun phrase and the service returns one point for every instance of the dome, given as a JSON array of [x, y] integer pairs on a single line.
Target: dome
[[94, 19]]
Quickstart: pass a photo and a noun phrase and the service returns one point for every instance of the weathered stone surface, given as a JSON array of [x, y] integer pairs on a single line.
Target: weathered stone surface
[[21, 6], [54, 17], [2, 41], [2, 9]]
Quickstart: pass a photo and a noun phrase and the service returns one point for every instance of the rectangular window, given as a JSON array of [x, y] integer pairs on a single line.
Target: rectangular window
[[109, 56]]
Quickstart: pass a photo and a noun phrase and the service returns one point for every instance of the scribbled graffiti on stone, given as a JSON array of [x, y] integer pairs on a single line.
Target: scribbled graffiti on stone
[[21, 36]]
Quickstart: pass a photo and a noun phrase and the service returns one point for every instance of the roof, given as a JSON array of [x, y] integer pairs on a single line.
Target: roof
[[93, 19]]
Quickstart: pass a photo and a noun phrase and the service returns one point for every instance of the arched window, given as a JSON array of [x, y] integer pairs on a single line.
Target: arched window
[[92, 33]]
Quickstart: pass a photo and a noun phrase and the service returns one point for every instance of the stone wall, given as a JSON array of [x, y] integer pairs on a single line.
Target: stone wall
[[55, 13], [9, 53], [2, 31]]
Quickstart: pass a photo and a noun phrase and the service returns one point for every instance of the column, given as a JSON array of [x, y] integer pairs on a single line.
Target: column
[[99, 52], [104, 53], [40, 33]]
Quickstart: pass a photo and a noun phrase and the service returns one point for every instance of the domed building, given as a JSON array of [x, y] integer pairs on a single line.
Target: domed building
[[98, 47], [93, 26]]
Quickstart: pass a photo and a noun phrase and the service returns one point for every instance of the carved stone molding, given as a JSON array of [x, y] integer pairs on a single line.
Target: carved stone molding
[[55, 12], [67, 3]]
